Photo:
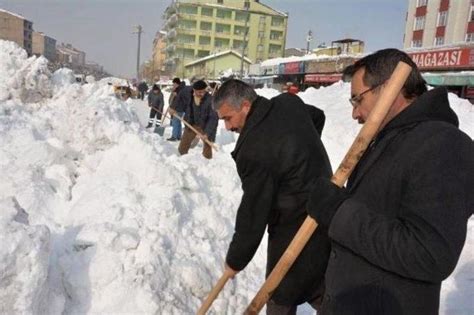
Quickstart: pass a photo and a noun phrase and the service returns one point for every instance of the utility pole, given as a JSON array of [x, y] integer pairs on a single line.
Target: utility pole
[[139, 32], [244, 46], [309, 38]]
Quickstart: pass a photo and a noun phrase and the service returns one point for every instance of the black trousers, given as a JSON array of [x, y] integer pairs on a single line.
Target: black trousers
[[153, 114]]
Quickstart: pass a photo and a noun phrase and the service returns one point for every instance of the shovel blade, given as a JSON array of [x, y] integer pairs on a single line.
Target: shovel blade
[[160, 130]]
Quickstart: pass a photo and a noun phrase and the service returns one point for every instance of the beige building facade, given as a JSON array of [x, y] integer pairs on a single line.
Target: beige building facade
[[44, 45], [158, 55], [432, 23], [16, 28]]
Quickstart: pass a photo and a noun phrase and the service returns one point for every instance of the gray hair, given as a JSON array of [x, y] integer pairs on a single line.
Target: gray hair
[[233, 92]]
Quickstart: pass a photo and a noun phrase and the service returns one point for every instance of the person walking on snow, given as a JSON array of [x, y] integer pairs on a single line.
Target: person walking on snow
[[156, 104], [201, 116], [399, 226], [142, 89], [278, 154]]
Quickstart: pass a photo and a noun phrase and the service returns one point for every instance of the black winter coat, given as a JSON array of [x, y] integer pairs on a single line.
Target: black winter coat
[[203, 115], [317, 116], [403, 228], [183, 98], [278, 154], [175, 102]]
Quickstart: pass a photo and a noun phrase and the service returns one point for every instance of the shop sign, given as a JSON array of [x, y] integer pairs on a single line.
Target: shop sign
[[444, 59]]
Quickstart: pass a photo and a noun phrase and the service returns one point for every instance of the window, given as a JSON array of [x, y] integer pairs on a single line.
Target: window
[[470, 37], [261, 34], [275, 35], [238, 44], [187, 24], [223, 28], [439, 41], [421, 3], [471, 16], [274, 49], [206, 26], [419, 23], [241, 16], [416, 43], [221, 42], [204, 40], [442, 18], [186, 39], [207, 11], [224, 14], [276, 21], [260, 47], [188, 9], [220, 1], [239, 30]]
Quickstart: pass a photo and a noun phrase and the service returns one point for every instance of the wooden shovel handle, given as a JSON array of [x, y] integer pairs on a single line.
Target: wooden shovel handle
[[213, 294], [388, 95], [190, 127]]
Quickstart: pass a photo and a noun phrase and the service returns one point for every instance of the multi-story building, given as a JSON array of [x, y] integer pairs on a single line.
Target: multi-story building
[[16, 28], [67, 54], [439, 37], [199, 28], [44, 45], [158, 55], [439, 22]]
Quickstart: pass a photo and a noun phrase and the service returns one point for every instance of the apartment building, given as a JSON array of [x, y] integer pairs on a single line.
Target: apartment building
[[44, 46], [67, 54], [439, 37], [431, 23], [16, 28], [158, 55], [199, 28]]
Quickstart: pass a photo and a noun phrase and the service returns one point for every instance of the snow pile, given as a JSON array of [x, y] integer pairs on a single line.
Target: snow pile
[[101, 216], [24, 256], [22, 77]]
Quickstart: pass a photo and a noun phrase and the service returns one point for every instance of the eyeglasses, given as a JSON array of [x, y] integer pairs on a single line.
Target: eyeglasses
[[355, 100]]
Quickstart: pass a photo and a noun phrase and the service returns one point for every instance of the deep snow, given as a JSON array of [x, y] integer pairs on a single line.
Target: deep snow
[[99, 215]]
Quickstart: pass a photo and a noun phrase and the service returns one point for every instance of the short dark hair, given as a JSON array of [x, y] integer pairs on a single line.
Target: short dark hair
[[379, 67], [155, 88], [199, 85], [176, 80], [233, 92]]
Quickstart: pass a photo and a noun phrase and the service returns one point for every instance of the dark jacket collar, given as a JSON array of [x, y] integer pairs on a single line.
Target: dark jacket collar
[[259, 110], [432, 105]]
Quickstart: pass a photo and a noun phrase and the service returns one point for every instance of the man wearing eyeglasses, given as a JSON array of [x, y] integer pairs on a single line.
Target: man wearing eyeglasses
[[399, 226]]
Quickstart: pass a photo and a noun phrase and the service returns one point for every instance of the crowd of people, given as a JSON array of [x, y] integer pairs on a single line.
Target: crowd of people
[[389, 237]]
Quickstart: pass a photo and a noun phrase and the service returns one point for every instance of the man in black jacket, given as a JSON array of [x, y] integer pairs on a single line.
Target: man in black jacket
[[398, 229], [277, 154], [199, 114], [177, 105]]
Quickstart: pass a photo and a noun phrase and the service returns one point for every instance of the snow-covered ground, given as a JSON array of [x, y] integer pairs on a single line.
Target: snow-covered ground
[[99, 215]]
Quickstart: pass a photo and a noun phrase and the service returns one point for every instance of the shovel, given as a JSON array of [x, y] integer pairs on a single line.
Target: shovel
[[160, 129]]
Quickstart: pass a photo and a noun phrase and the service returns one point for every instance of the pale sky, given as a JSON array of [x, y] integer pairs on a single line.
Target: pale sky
[[103, 28]]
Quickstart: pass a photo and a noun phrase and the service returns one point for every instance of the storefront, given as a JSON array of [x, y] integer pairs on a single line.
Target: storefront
[[452, 67]]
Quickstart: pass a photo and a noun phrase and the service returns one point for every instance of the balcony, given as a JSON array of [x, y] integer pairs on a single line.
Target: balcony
[[205, 32], [185, 30], [171, 34], [187, 16], [170, 48], [172, 20], [186, 45], [276, 40]]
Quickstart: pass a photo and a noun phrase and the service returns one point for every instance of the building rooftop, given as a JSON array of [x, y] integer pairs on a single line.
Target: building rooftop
[[218, 55], [14, 14]]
